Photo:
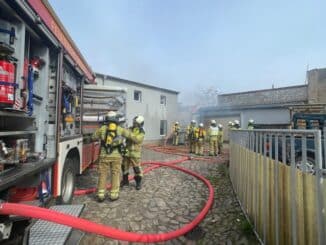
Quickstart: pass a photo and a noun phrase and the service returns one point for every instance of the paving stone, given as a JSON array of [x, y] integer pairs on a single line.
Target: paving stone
[[167, 201]]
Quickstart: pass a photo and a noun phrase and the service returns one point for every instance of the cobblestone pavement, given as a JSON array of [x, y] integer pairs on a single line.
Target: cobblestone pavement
[[168, 200]]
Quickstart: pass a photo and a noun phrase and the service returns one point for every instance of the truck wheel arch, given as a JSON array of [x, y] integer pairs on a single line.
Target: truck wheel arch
[[75, 156], [68, 176]]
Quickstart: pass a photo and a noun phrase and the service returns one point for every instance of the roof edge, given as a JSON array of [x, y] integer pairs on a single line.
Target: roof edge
[[135, 83], [265, 90]]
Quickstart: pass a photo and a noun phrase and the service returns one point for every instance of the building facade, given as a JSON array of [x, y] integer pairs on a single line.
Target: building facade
[[159, 106], [270, 108]]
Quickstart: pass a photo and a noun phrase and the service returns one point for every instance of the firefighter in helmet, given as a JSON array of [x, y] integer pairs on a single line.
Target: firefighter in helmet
[[213, 138], [110, 156], [176, 131], [236, 124], [200, 134], [134, 139], [230, 125], [191, 136], [220, 138], [251, 124]]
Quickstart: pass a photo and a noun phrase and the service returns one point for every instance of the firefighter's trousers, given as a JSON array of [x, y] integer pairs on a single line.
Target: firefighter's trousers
[[199, 150], [220, 145], [192, 146], [113, 165], [132, 162], [175, 139], [213, 145]]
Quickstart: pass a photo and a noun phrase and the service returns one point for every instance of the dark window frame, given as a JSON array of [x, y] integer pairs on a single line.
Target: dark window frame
[[163, 99], [138, 93], [163, 127]]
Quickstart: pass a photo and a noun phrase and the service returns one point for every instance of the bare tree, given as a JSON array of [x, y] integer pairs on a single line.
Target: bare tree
[[206, 96]]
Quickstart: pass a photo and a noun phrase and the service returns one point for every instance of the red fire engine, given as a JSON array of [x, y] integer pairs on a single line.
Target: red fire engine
[[44, 142]]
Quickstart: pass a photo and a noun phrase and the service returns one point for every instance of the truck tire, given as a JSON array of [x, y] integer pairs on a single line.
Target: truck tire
[[68, 179]]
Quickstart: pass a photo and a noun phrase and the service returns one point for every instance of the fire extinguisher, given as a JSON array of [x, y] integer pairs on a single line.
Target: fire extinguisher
[[7, 83]]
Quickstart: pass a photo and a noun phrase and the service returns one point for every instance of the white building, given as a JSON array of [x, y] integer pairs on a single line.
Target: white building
[[159, 106]]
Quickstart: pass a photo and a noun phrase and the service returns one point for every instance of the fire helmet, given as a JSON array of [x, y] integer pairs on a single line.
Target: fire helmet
[[139, 120], [111, 116]]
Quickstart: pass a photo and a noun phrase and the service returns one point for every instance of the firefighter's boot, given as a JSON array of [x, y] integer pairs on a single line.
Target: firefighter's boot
[[138, 182], [114, 195], [125, 180], [100, 195]]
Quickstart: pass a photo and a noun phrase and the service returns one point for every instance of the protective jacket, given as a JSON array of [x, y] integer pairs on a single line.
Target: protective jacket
[[111, 139], [220, 136], [135, 137], [176, 129], [200, 133], [191, 132], [213, 131]]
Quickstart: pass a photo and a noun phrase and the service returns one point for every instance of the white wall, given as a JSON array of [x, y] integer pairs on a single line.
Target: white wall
[[266, 116], [149, 106]]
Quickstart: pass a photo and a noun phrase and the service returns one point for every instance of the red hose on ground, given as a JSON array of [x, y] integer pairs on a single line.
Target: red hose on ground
[[91, 190], [176, 151], [88, 226]]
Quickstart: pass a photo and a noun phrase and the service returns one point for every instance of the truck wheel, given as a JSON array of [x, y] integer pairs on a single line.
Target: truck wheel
[[67, 182]]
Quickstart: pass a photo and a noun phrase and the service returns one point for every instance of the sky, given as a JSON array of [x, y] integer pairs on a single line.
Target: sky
[[189, 45]]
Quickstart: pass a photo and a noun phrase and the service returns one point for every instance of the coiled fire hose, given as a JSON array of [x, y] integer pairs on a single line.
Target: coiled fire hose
[[107, 231]]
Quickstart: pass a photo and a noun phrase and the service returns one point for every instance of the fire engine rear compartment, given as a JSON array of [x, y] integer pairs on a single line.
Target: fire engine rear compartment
[[26, 133], [45, 111]]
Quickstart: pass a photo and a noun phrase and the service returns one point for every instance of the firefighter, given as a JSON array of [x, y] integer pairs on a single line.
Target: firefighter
[[251, 124], [110, 156], [213, 138], [236, 124], [191, 136], [200, 134], [176, 131], [230, 125], [220, 138], [134, 139]]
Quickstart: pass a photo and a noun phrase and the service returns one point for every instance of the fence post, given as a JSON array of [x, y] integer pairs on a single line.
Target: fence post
[[276, 186], [293, 193], [265, 191], [319, 202], [256, 177]]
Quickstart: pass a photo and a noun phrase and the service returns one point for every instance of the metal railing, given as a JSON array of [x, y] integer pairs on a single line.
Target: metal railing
[[280, 180]]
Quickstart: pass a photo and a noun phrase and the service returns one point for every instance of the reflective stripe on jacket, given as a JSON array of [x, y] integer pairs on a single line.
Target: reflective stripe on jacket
[[213, 131]]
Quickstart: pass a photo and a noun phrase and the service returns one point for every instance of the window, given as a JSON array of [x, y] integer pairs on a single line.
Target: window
[[163, 100], [137, 95], [163, 127]]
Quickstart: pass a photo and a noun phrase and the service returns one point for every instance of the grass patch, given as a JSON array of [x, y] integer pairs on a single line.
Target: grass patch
[[245, 226], [223, 169], [213, 179]]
